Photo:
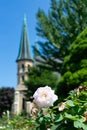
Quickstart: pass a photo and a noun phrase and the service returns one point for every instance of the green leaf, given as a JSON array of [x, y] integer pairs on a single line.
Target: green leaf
[[59, 118], [84, 93], [84, 126], [79, 124], [54, 127], [70, 103], [40, 120], [69, 116]]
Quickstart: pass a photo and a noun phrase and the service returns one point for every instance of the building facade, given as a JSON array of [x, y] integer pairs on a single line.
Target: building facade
[[24, 60]]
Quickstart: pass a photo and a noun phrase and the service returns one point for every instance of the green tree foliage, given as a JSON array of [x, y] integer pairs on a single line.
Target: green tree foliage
[[75, 65], [58, 29], [38, 77], [6, 99]]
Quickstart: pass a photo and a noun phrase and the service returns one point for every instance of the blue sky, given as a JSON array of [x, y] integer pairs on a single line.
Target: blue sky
[[11, 21]]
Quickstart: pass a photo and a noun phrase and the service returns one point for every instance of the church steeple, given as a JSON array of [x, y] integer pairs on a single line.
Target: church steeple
[[24, 49], [24, 61]]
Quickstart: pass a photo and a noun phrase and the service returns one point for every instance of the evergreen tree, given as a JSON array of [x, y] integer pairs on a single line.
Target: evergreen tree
[[38, 77], [58, 29], [75, 66]]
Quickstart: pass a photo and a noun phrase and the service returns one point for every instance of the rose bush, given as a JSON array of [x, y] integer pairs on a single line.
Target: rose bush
[[70, 114]]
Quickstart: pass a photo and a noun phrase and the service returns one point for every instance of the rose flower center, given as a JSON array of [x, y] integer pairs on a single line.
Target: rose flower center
[[44, 95]]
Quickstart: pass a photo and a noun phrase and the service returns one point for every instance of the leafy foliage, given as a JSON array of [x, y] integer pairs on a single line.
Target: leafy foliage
[[6, 99], [38, 77], [72, 115], [58, 29], [75, 65], [17, 122]]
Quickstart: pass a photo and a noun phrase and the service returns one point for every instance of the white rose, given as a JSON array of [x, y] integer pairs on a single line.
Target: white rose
[[44, 97]]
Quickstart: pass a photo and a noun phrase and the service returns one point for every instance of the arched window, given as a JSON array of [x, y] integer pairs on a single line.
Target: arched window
[[23, 69], [23, 78]]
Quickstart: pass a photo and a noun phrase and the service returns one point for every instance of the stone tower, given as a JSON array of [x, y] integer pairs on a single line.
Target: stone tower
[[23, 62]]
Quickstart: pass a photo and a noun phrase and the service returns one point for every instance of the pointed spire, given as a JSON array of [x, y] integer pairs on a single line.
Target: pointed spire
[[25, 20], [24, 52]]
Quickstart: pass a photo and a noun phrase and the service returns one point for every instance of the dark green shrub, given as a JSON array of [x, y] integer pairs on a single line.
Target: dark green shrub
[[74, 71], [6, 99]]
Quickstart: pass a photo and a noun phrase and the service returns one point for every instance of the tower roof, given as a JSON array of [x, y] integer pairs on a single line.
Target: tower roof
[[24, 49]]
